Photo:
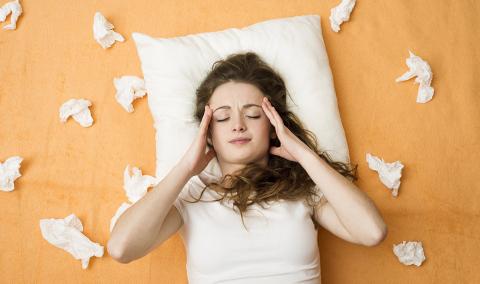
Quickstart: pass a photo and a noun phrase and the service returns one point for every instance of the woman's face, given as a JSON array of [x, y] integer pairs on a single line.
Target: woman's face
[[237, 113]]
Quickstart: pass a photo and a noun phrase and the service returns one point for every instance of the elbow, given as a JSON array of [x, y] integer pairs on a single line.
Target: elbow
[[116, 251], [377, 238]]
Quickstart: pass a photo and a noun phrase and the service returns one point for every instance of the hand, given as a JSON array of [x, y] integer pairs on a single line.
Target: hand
[[195, 159], [291, 146]]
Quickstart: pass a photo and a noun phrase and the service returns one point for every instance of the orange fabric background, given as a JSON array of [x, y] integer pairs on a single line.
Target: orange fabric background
[[52, 57]]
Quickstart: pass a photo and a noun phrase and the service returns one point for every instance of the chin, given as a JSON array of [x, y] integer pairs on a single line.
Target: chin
[[240, 159], [245, 158], [237, 158]]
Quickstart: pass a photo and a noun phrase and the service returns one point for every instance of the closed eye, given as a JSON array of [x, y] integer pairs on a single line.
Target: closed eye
[[225, 119]]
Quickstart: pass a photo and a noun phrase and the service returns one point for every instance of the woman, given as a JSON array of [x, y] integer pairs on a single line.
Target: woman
[[255, 224]]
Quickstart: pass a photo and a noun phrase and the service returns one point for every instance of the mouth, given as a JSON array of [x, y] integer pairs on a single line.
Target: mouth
[[240, 141]]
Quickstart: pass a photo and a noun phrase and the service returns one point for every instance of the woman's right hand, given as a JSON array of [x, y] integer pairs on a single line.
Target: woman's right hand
[[195, 159]]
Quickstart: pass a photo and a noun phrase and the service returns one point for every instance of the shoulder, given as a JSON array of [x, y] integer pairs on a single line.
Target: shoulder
[[193, 189]]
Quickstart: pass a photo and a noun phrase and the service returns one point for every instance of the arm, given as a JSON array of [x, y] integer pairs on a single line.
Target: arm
[[349, 213], [147, 222], [138, 228]]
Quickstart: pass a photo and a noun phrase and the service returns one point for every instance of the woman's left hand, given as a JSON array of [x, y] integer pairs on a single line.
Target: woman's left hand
[[291, 146]]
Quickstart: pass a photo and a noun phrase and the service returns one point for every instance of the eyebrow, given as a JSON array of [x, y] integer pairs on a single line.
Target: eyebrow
[[244, 106]]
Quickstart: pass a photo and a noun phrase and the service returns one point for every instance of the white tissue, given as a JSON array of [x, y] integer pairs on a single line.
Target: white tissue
[[78, 108], [67, 234], [103, 31], [128, 89], [340, 14], [135, 187], [389, 173], [422, 70], [9, 172], [409, 253], [13, 7]]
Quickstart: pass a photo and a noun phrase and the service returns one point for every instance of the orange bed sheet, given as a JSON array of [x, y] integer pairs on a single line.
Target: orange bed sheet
[[52, 57]]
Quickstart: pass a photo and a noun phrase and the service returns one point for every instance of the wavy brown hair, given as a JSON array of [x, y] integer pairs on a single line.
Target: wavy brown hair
[[281, 179]]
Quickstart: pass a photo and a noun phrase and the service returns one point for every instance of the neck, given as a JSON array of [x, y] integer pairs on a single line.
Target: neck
[[230, 168]]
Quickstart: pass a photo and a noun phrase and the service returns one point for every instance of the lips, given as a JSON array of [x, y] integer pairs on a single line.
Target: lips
[[240, 140]]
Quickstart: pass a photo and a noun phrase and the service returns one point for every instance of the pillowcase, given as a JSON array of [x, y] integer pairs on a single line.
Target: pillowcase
[[173, 68]]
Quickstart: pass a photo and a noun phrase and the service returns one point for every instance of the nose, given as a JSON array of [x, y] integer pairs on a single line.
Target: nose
[[238, 123]]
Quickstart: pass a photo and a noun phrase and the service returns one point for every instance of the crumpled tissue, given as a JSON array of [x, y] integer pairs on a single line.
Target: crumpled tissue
[[340, 14], [135, 186], [103, 31], [67, 234], [421, 69], [9, 172], [409, 253], [13, 7], [78, 108], [389, 173], [128, 89]]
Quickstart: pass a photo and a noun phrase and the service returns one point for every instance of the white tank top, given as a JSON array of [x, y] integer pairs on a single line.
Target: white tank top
[[280, 245]]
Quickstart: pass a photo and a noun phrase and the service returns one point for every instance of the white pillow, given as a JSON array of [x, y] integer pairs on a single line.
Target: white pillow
[[174, 67]]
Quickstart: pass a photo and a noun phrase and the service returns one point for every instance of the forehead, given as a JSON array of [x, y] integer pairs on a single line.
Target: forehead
[[235, 94]]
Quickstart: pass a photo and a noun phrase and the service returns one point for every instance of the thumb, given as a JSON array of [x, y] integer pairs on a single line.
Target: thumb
[[210, 154], [275, 151]]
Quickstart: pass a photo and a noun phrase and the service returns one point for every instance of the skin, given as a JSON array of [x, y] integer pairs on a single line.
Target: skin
[[349, 213], [230, 119]]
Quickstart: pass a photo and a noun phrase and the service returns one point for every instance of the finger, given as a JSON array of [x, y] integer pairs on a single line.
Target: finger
[[276, 116], [268, 113], [205, 121], [211, 154], [276, 151]]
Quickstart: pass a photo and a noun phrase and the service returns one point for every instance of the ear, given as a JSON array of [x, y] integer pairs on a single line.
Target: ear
[[273, 134]]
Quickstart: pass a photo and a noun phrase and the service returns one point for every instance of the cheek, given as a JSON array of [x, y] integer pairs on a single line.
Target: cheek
[[217, 132], [263, 129], [266, 124]]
